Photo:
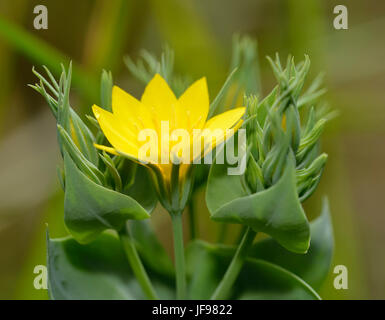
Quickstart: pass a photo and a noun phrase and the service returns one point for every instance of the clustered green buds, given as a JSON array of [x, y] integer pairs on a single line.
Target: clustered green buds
[[276, 129], [74, 136], [102, 183], [76, 139]]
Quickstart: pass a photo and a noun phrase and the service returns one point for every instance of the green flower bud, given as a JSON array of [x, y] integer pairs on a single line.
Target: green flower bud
[[253, 128], [251, 103], [313, 170], [80, 160], [112, 172], [293, 127], [277, 133], [254, 176], [308, 178], [310, 139], [106, 84]]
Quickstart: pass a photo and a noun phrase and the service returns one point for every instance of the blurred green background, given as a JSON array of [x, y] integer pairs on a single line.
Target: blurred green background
[[96, 34]]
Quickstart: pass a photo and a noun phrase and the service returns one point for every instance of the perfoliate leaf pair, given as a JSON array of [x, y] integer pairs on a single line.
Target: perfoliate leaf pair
[[90, 208], [275, 211]]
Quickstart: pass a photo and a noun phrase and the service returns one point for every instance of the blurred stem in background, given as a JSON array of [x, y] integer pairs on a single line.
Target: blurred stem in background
[[16, 9], [222, 234], [113, 26], [192, 216], [189, 35], [41, 53], [306, 30]]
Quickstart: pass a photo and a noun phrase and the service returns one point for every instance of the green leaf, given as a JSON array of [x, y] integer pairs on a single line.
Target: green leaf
[[152, 252], [313, 266], [263, 280], [84, 138], [90, 208], [275, 211], [258, 279], [98, 270], [222, 188], [106, 84], [142, 189], [68, 146], [245, 57], [182, 25], [221, 93], [265, 105]]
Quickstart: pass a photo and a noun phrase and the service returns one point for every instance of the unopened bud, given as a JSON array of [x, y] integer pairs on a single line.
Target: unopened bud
[[293, 127], [88, 168], [306, 178], [308, 141], [254, 176]]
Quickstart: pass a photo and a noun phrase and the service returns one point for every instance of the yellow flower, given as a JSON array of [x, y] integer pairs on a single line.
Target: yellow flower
[[159, 104]]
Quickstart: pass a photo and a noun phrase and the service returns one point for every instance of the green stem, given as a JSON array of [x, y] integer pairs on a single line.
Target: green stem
[[177, 228], [136, 264], [192, 218], [240, 235], [235, 266], [223, 228]]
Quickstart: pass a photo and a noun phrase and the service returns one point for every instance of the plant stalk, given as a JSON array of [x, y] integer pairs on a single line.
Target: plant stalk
[[180, 269], [136, 264], [192, 218], [223, 229], [235, 266]]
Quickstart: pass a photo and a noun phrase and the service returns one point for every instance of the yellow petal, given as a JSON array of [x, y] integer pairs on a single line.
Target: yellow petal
[[221, 138], [125, 129], [160, 99], [119, 137], [195, 104], [130, 111], [217, 127], [225, 120]]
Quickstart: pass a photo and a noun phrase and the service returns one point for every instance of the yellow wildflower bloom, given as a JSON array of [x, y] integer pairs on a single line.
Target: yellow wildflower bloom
[[159, 104]]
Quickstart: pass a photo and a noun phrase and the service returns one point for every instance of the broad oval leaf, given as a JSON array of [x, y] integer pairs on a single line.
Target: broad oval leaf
[[98, 270], [258, 279], [276, 211], [314, 266], [90, 208]]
